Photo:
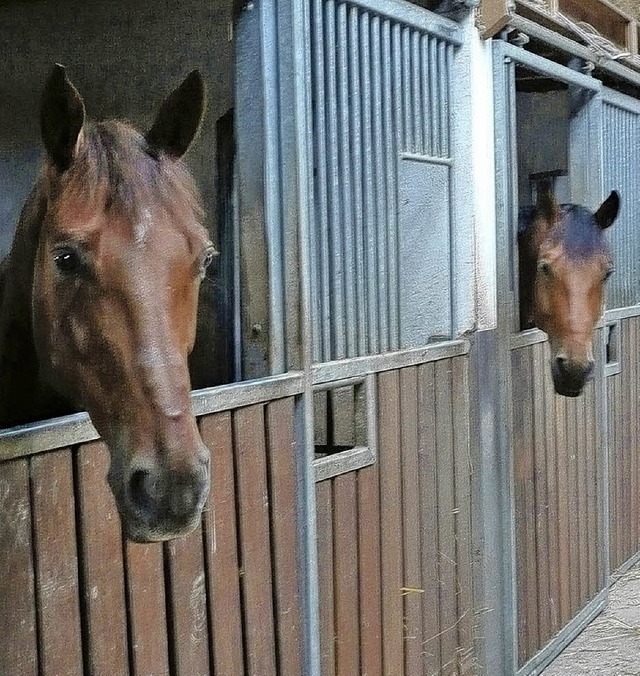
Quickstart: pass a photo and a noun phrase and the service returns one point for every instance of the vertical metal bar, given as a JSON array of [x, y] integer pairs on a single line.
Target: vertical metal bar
[[418, 109], [426, 95], [393, 141], [321, 289], [443, 124], [272, 210], [381, 54], [338, 343], [433, 102], [360, 318], [370, 215], [406, 137], [345, 177]]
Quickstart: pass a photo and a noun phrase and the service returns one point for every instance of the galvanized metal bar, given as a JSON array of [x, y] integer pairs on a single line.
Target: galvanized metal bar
[[384, 112], [346, 224], [361, 366], [272, 192], [370, 205], [443, 100], [546, 67], [357, 136], [433, 88], [321, 257], [425, 112], [526, 338], [416, 85], [407, 137], [415, 17], [338, 337], [622, 313], [429, 159], [394, 141]]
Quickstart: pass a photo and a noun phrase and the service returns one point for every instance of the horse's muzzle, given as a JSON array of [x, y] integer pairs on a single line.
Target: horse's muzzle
[[569, 377], [156, 504]]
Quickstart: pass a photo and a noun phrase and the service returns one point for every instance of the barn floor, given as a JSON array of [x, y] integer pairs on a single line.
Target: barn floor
[[610, 645]]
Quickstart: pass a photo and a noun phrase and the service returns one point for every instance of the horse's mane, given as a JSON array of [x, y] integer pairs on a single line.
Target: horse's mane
[[115, 162], [578, 229]]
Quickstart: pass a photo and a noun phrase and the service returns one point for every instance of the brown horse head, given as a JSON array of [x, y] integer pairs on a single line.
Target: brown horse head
[[120, 255], [564, 263]]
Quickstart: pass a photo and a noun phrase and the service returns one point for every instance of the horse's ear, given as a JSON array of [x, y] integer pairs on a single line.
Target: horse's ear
[[546, 204], [179, 118], [608, 210], [61, 117]]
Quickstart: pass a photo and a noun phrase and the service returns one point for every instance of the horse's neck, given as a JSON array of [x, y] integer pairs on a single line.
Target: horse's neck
[[527, 262], [22, 394]]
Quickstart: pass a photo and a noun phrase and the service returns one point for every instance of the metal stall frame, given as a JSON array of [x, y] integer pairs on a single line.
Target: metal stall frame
[[505, 58]]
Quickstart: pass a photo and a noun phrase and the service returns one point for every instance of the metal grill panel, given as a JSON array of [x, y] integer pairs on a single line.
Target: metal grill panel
[[381, 91], [621, 145]]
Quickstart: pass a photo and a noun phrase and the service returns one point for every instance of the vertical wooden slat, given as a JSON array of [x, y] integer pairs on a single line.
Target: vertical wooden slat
[[572, 483], [369, 563], [552, 497], [324, 507], [284, 520], [411, 521], [427, 458], [18, 642], [539, 365], [221, 547], [257, 586], [391, 523], [463, 479], [59, 635], [147, 609], [619, 460], [188, 603], [635, 440], [612, 414], [593, 493], [446, 516], [564, 571], [103, 590], [345, 538], [581, 505]]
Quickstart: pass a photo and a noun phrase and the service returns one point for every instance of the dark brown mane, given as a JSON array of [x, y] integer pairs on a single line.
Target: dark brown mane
[[115, 162]]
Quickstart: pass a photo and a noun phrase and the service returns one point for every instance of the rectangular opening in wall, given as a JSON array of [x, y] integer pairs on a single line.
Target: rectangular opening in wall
[[612, 348], [344, 436]]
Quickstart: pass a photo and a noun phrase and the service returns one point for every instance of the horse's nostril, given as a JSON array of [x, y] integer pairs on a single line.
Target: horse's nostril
[[142, 490]]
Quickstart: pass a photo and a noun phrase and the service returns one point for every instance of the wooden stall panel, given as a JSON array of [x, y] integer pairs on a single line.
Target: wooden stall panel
[[324, 526], [257, 583], [624, 441], [284, 531], [557, 501], [221, 540], [103, 589], [59, 636], [18, 642]]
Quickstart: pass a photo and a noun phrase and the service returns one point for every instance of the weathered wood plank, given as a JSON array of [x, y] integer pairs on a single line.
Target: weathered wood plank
[[188, 604], [564, 570], [427, 459], [463, 481], [391, 523], [103, 589], [147, 609], [345, 563], [54, 528], [221, 547], [369, 563], [257, 585], [411, 521], [324, 525], [284, 521], [446, 517], [18, 646]]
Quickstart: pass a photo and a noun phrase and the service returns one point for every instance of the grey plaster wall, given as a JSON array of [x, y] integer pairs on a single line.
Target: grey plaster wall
[[124, 57]]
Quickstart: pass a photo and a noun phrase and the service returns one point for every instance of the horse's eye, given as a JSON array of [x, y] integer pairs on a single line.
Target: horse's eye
[[207, 259], [608, 272], [67, 260], [544, 268]]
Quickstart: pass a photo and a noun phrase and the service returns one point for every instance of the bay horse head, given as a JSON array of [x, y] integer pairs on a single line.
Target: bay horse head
[[120, 251], [564, 263]]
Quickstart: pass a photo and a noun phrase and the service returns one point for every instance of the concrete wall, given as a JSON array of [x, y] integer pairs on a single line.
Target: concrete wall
[[124, 57]]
